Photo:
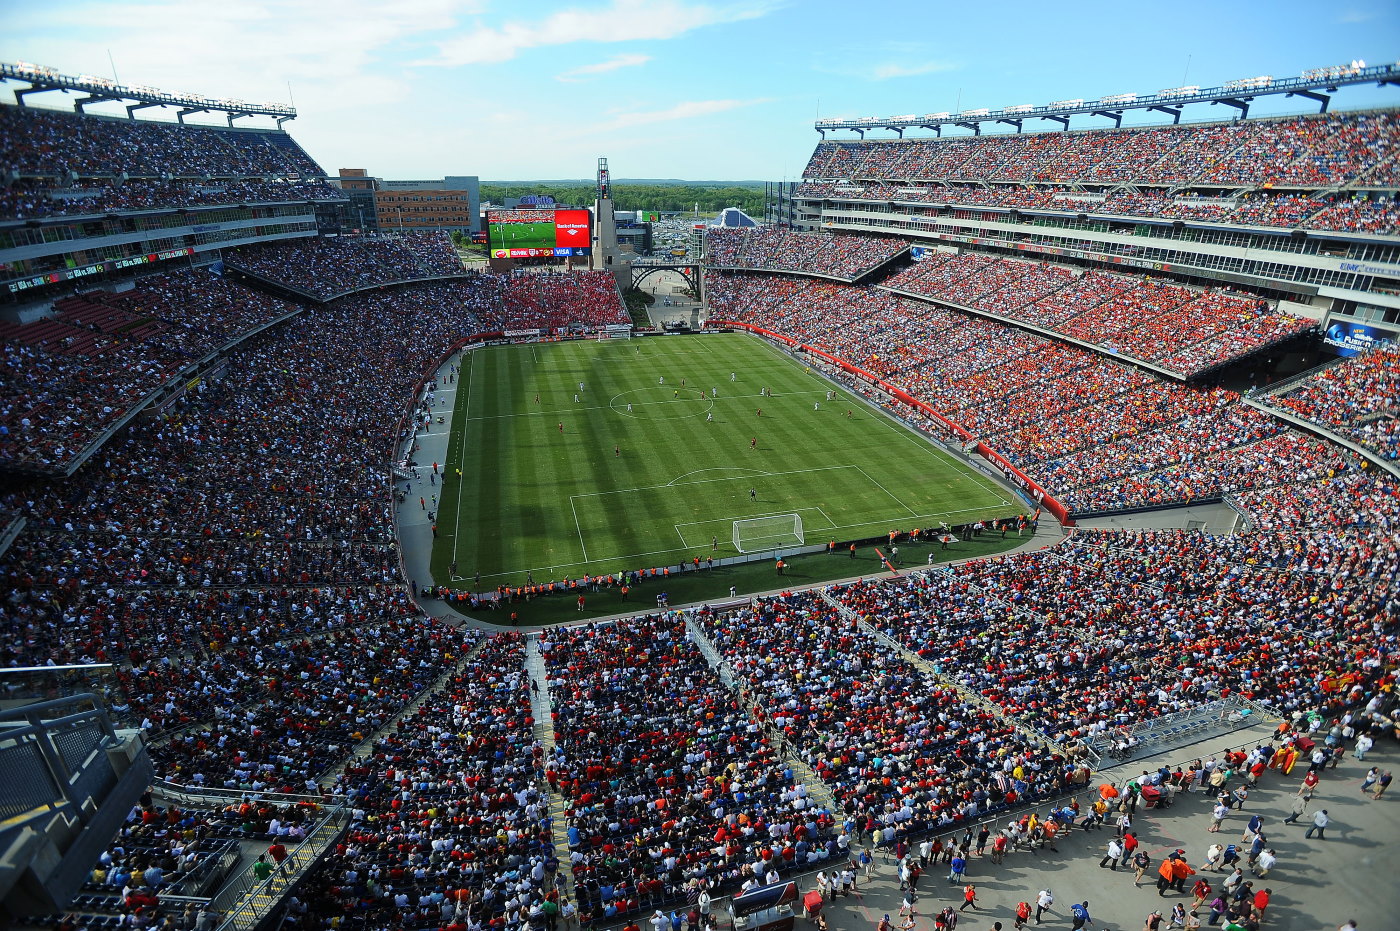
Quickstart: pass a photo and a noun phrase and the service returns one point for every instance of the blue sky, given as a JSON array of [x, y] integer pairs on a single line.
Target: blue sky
[[722, 89]]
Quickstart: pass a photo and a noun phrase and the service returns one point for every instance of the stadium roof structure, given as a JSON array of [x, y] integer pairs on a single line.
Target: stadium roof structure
[[733, 218], [1315, 84], [42, 79]]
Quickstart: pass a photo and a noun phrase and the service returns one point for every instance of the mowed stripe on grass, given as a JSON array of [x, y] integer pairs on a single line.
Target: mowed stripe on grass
[[618, 489]]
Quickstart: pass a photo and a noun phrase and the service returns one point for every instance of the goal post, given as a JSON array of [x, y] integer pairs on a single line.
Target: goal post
[[754, 534]]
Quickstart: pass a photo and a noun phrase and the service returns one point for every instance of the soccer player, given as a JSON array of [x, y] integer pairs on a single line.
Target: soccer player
[[709, 418], [760, 412], [753, 494], [575, 399], [561, 426], [617, 452], [732, 376], [661, 380], [816, 405], [753, 444], [714, 392], [629, 407]]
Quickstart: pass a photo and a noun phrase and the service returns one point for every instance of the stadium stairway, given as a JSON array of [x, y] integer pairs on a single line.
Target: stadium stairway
[[918, 662], [362, 749], [817, 790], [541, 708]]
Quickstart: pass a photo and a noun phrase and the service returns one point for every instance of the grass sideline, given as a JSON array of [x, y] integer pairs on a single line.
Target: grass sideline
[[543, 480], [745, 578]]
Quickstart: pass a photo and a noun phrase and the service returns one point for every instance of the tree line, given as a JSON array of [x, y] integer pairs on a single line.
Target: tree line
[[660, 197]]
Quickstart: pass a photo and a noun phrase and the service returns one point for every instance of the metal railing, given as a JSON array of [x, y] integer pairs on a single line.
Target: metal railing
[[54, 756], [246, 899], [1149, 738]]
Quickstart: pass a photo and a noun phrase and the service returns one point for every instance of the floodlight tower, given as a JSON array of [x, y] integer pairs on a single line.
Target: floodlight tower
[[605, 254]]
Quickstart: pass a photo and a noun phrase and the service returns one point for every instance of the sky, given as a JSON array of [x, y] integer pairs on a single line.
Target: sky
[[715, 90]]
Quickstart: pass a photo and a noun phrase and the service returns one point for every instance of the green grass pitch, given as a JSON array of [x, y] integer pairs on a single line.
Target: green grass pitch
[[653, 486]]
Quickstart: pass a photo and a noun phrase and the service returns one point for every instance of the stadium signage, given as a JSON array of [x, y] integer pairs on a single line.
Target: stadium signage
[[1349, 339], [1362, 268], [528, 253], [69, 274], [517, 334]]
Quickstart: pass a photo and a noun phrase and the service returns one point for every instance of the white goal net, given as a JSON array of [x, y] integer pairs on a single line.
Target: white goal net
[[766, 533]]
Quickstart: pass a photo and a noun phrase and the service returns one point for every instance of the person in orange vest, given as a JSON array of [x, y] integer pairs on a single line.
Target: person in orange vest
[[1181, 871], [1165, 874]]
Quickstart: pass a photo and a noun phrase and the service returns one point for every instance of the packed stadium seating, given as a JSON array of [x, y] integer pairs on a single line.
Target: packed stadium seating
[[74, 164], [235, 557], [886, 736], [325, 268], [1308, 154], [70, 376], [1365, 212], [1183, 330], [834, 254], [696, 760], [1311, 151], [557, 300], [1356, 399]]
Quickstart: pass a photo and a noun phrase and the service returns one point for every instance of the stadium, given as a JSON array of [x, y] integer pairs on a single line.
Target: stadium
[[1013, 486]]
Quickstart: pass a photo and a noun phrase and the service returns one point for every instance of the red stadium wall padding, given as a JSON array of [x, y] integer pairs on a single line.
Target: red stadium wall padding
[[899, 394]]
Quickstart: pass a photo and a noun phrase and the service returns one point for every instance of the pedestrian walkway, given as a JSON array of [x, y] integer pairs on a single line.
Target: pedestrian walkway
[[1317, 884], [919, 663], [541, 706], [817, 790], [362, 748]]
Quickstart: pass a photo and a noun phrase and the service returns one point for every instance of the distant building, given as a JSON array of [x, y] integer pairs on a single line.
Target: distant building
[[733, 218], [452, 204]]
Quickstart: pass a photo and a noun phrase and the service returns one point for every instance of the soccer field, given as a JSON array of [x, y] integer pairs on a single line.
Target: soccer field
[[655, 460]]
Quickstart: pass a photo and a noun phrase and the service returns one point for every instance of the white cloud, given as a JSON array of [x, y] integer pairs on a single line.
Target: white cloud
[[620, 21], [887, 70], [574, 75], [681, 111], [248, 49]]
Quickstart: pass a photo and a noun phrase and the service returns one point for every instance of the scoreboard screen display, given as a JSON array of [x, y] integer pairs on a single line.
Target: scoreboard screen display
[[529, 234]]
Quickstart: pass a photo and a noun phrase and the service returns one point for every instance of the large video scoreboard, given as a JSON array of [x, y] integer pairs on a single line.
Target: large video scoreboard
[[541, 233]]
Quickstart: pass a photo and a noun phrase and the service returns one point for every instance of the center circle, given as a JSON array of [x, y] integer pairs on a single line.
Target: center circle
[[662, 403]]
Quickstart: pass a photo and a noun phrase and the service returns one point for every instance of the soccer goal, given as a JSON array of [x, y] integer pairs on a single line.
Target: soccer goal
[[754, 534]]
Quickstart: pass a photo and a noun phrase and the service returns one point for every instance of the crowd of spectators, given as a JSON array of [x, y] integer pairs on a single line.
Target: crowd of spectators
[[899, 750], [450, 824], [839, 255], [1183, 330], [1307, 152], [259, 497], [557, 300], [327, 267], [1370, 212], [670, 782], [234, 555], [1358, 398], [37, 143], [67, 378], [37, 199]]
